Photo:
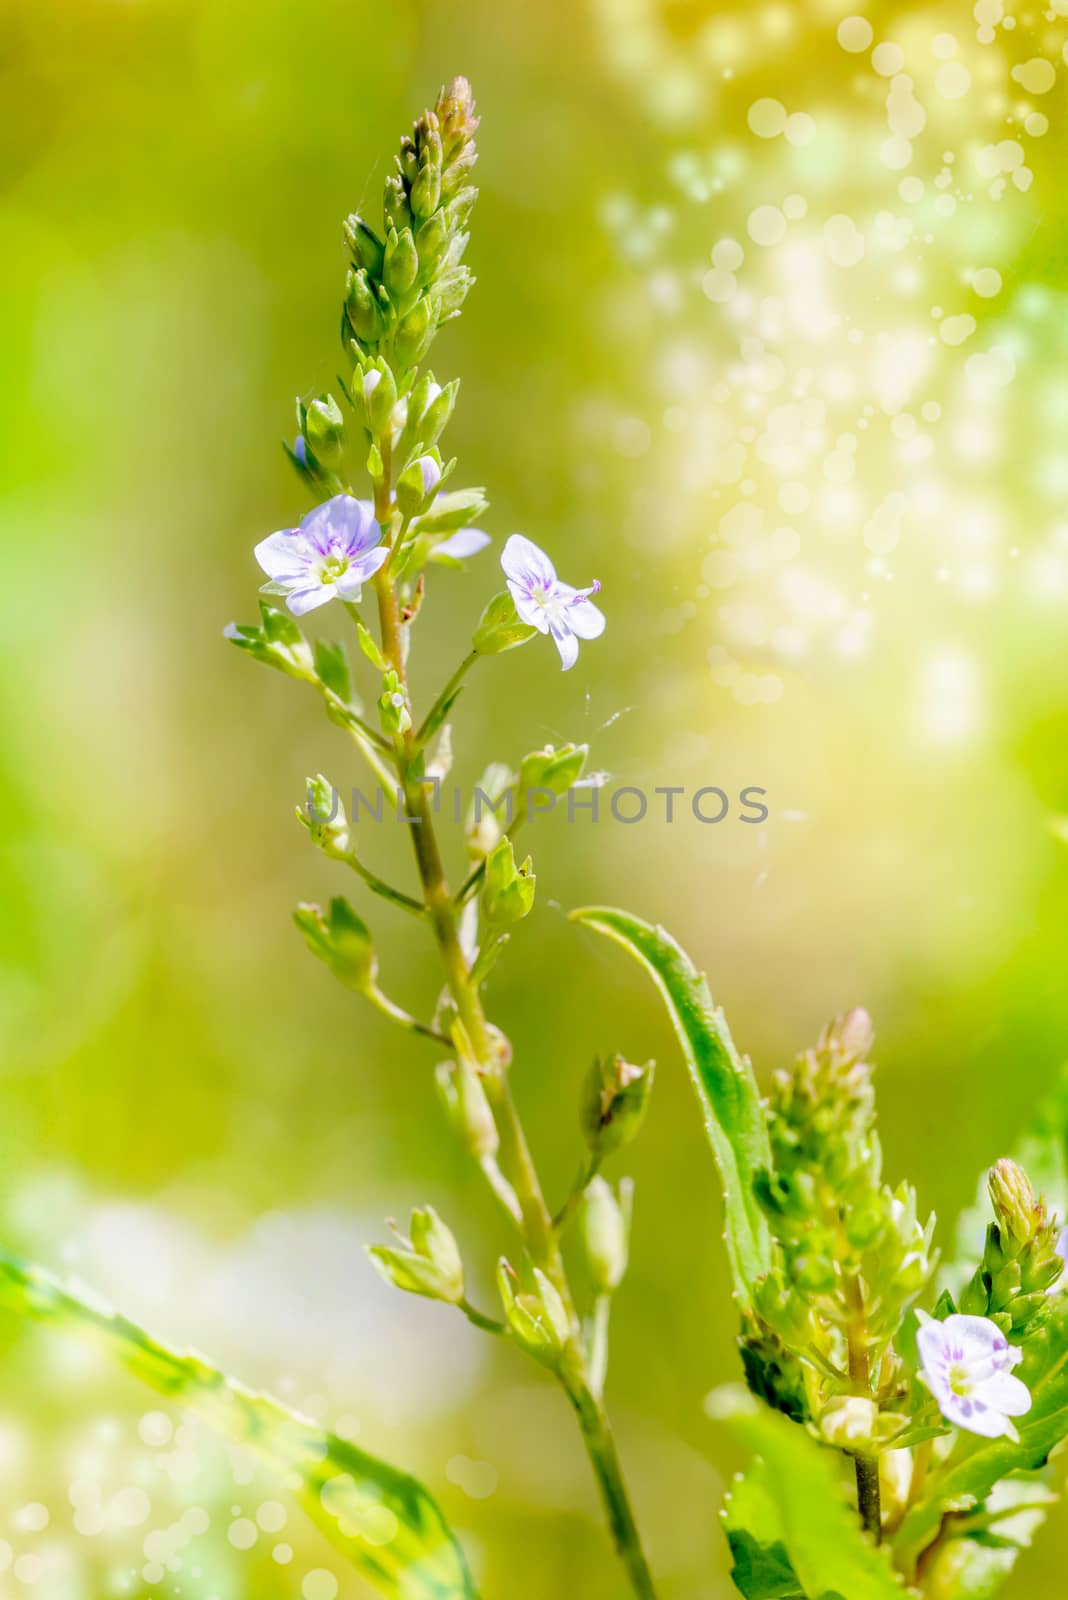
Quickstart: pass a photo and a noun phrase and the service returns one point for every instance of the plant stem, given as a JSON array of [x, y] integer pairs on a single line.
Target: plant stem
[[867, 1467], [535, 1218], [601, 1448]]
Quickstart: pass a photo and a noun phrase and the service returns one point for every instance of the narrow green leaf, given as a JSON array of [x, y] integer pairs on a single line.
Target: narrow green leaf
[[383, 1521], [976, 1464], [820, 1533], [726, 1087]]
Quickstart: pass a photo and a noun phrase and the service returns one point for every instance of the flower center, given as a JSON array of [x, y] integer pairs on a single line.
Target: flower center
[[960, 1382], [333, 568]]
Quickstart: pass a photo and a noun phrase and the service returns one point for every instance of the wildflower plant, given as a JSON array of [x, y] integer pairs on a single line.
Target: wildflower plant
[[902, 1413]]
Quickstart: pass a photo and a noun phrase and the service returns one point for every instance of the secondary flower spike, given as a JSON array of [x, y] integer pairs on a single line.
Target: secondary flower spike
[[337, 547], [967, 1363], [543, 602]]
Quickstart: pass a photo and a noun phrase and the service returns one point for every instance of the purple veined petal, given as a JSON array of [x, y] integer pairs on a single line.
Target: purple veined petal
[[978, 1339], [367, 563], [524, 563], [284, 556], [338, 525], [585, 619], [528, 610], [349, 584], [301, 601], [463, 543], [1004, 1393], [566, 643], [983, 1420]]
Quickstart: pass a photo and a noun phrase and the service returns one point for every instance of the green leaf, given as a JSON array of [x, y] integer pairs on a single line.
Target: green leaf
[[726, 1087], [799, 1498], [974, 1565], [976, 1465], [762, 1567], [383, 1521], [332, 668]]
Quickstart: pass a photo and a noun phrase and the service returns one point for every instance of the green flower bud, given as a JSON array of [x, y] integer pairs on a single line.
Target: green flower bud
[[364, 245], [849, 1422], [398, 211], [535, 1313], [604, 1233], [554, 770], [426, 190], [850, 1036], [342, 940], [615, 1098], [414, 333], [401, 262], [418, 484], [323, 814], [324, 429], [427, 1264], [393, 706], [1018, 1210], [377, 388], [438, 413], [467, 1107], [451, 292], [508, 890], [499, 627], [432, 243], [361, 308]]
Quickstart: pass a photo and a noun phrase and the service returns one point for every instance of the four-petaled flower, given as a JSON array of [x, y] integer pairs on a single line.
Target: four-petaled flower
[[337, 547], [543, 602], [967, 1364]]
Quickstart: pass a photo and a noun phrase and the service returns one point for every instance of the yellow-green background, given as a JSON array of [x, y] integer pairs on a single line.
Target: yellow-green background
[[186, 1100]]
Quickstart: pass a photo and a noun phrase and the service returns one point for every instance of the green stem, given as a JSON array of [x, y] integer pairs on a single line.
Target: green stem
[[536, 1220], [433, 716], [869, 1503], [478, 1319], [396, 1013], [597, 1357], [379, 886], [601, 1448]]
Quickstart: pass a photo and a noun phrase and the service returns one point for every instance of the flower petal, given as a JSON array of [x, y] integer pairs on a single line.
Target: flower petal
[[284, 556], [367, 563], [302, 601], [526, 564], [586, 619], [341, 525], [530, 612], [463, 543], [566, 643], [1006, 1394]]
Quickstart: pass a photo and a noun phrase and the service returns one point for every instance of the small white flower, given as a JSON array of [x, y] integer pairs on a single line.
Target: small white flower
[[337, 547], [543, 602], [967, 1364]]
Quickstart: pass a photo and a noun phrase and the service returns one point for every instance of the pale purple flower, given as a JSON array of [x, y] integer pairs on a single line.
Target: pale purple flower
[[463, 543], [967, 1365], [337, 547], [543, 602]]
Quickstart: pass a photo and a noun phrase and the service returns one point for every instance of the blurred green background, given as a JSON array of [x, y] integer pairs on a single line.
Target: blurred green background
[[192, 1117]]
